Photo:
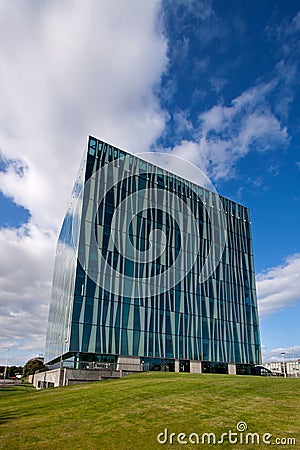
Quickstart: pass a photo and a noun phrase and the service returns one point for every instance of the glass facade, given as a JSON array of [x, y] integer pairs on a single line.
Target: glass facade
[[151, 265]]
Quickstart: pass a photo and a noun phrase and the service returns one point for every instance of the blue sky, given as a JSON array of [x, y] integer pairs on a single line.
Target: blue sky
[[214, 82]]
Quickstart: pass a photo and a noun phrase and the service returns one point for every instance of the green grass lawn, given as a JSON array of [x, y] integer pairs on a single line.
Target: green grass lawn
[[130, 412]]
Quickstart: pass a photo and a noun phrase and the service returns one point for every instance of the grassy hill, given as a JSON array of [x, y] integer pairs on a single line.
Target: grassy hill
[[129, 413]]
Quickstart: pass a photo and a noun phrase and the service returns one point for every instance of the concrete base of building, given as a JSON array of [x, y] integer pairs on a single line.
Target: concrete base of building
[[132, 363], [195, 367], [50, 378], [125, 365], [231, 369], [67, 376]]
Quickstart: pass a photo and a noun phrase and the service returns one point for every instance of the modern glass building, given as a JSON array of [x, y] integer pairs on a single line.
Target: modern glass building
[[153, 269]]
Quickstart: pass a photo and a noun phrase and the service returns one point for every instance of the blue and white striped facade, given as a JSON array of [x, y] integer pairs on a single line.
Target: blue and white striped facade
[[151, 265]]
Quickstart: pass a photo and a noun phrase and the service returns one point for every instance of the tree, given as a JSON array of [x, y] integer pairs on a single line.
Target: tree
[[32, 366], [13, 370], [10, 371]]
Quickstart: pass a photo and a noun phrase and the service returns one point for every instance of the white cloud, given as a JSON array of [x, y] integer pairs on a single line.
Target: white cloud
[[275, 354], [218, 83], [26, 264], [279, 287], [227, 133], [195, 152], [283, 34], [286, 33], [199, 10], [68, 69], [182, 122]]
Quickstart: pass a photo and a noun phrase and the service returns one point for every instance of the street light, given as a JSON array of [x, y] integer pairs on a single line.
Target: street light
[[294, 363], [62, 351], [6, 367], [61, 361], [284, 371]]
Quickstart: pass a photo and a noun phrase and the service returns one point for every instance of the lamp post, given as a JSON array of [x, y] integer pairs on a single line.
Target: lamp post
[[284, 371], [61, 361], [6, 366], [294, 364]]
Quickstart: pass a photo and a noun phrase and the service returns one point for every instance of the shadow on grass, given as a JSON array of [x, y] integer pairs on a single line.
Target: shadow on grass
[[7, 417], [10, 388], [19, 388]]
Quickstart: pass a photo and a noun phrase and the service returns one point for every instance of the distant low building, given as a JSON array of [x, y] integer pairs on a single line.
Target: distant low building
[[288, 368]]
